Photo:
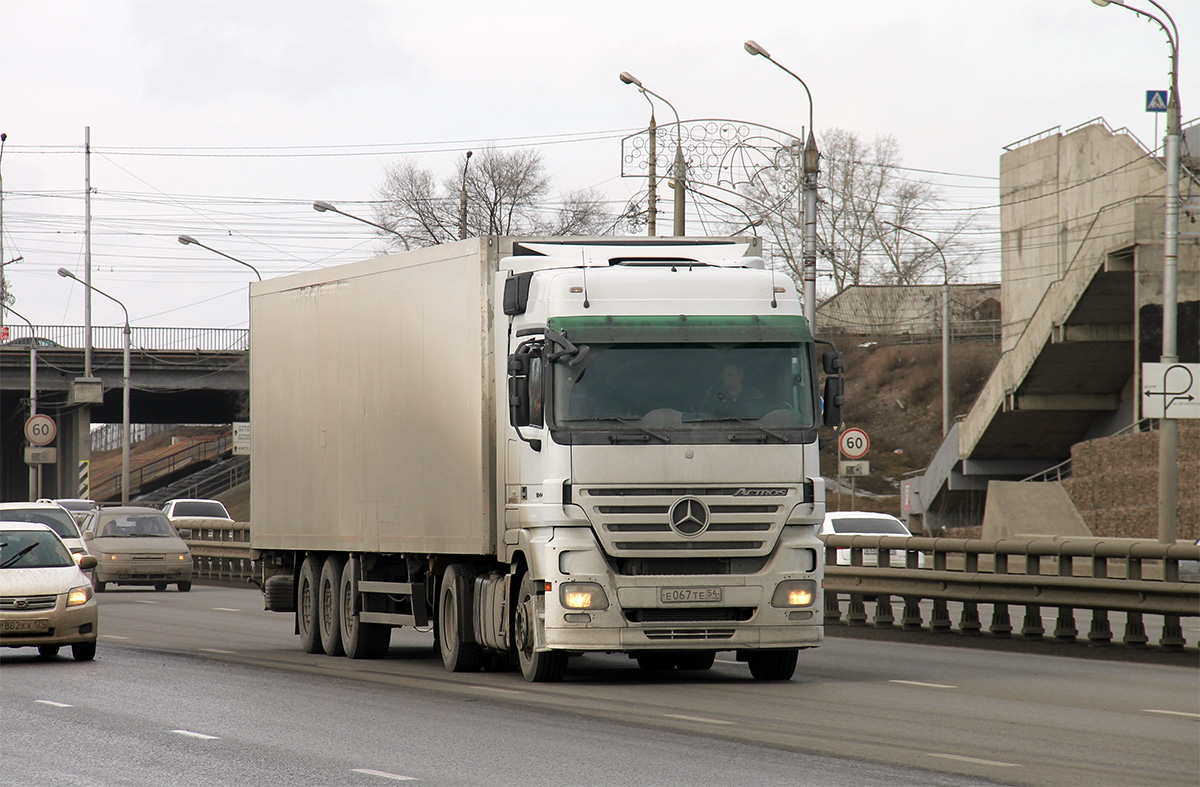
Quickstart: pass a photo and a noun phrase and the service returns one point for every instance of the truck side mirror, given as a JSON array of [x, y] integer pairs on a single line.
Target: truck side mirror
[[834, 399], [518, 387], [833, 362]]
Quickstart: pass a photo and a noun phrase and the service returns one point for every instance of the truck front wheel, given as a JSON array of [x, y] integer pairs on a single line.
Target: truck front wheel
[[459, 653], [772, 664], [306, 605], [547, 666]]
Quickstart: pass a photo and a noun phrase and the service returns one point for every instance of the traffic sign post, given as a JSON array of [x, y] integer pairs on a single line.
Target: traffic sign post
[[1171, 390], [853, 444]]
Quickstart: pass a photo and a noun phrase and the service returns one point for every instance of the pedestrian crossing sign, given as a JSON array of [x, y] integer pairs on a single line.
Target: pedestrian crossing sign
[[1156, 101]]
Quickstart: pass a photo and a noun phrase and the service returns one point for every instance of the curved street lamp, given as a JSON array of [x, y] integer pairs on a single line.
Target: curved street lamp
[[462, 200], [189, 240], [809, 161], [945, 325], [1168, 439], [680, 168], [124, 384], [320, 206]]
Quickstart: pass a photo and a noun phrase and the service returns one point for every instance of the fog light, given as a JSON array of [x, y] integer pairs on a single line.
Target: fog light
[[79, 595], [583, 595], [794, 593]]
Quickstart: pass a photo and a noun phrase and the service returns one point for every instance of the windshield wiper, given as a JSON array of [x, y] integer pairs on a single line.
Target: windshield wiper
[[627, 422], [18, 556], [746, 421]]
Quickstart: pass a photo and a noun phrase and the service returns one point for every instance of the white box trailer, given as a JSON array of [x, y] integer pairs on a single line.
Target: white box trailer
[[422, 453]]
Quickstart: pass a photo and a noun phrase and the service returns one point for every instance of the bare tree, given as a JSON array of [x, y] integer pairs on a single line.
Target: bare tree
[[506, 194], [863, 193]]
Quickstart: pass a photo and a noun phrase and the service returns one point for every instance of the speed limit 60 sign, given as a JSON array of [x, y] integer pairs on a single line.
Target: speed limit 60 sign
[[854, 443], [40, 429]]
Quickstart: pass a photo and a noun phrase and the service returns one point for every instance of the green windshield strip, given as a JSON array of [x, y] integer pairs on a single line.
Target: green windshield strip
[[683, 328]]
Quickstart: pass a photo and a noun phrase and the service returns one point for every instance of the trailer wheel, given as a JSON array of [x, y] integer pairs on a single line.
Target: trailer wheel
[[772, 664], [329, 609], [359, 640], [547, 666], [306, 605], [455, 634]]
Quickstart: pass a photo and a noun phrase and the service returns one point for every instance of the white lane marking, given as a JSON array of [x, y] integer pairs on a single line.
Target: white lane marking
[[146, 601], [975, 760], [54, 704], [217, 650], [384, 774], [700, 719], [497, 690], [923, 685], [199, 735], [225, 609], [1173, 713], [111, 636]]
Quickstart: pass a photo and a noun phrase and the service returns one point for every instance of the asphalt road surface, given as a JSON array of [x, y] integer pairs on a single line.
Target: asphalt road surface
[[205, 688]]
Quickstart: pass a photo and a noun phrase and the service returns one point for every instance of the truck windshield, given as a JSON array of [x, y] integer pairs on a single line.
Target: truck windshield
[[676, 388]]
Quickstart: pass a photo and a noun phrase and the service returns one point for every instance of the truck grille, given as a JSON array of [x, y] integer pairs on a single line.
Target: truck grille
[[681, 521]]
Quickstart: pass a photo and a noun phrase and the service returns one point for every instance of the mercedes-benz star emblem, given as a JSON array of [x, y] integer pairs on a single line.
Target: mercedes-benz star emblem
[[689, 517]]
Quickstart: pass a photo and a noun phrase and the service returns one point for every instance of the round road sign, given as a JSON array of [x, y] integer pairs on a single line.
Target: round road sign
[[40, 430], [854, 443]]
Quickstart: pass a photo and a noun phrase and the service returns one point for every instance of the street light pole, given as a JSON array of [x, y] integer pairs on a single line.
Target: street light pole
[[124, 384], [810, 167], [945, 325], [2, 292], [189, 240], [35, 471], [680, 167], [1168, 433], [462, 201]]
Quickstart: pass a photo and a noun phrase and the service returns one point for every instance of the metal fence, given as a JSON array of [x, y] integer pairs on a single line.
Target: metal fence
[[1093, 575], [113, 337], [170, 460], [221, 553]]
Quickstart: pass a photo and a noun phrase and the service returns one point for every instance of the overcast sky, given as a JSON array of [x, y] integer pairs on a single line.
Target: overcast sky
[[225, 120]]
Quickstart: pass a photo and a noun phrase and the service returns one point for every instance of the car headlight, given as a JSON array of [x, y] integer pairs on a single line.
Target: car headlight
[[79, 595], [794, 593], [583, 595], [185, 556]]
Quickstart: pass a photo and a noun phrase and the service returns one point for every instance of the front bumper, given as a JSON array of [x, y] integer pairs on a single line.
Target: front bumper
[[61, 625], [127, 572]]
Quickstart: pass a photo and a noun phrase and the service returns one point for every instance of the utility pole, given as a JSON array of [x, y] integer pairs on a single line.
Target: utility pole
[[652, 209], [87, 251], [2, 138], [462, 201]]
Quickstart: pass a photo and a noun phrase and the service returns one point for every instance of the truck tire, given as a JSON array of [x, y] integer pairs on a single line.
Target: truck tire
[[359, 640], [547, 666], [329, 607], [772, 664], [306, 605], [455, 631], [279, 593]]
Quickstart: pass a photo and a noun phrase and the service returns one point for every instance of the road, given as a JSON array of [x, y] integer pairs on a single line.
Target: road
[[175, 668]]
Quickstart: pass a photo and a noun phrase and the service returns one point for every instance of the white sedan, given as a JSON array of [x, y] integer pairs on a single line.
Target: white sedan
[[866, 523]]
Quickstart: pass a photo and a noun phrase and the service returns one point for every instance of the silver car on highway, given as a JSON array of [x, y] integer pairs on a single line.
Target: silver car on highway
[[45, 599], [137, 546]]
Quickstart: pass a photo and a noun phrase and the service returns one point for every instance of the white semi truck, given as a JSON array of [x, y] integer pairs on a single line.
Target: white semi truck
[[542, 447]]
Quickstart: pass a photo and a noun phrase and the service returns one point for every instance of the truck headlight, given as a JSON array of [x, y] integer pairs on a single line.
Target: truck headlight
[[794, 593], [582, 595], [79, 595]]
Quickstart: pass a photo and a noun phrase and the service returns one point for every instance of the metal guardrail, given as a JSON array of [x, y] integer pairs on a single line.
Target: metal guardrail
[[221, 552], [176, 457], [1088, 574], [113, 337]]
